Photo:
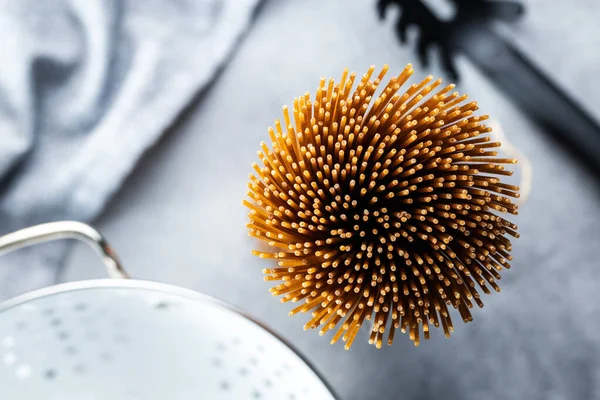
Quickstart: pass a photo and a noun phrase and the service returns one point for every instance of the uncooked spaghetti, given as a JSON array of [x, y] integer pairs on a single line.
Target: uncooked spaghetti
[[382, 207]]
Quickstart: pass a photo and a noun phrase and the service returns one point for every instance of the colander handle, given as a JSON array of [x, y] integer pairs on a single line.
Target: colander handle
[[65, 230]]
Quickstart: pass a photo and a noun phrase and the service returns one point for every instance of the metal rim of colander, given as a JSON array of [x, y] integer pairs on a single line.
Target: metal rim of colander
[[162, 288]]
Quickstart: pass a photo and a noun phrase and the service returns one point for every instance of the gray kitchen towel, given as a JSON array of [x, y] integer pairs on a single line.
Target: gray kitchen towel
[[85, 87]]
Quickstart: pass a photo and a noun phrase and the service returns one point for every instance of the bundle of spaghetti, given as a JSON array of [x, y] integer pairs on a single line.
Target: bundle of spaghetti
[[384, 208]]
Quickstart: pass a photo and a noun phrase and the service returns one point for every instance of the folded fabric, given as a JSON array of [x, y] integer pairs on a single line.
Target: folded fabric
[[85, 88]]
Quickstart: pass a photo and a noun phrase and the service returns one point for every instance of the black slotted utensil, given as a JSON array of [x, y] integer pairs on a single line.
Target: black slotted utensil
[[470, 33]]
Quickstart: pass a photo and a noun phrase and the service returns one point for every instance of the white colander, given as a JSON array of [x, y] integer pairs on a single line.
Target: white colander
[[125, 339]]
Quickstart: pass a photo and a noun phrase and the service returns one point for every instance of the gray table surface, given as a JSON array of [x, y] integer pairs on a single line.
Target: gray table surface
[[179, 217]]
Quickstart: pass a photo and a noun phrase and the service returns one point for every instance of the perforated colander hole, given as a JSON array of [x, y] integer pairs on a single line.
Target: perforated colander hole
[[216, 362], [80, 307], [106, 357], [92, 336], [268, 383], [63, 335], [224, 386], [260, 348], [256, 394], [162, 305], [50, 374], [243, 371], [55, 322], [120, 322], [71, 350], [121, 339], [253, 361], [22, 325], [277, 373], [79, 369], [292, 396], [221, 346]]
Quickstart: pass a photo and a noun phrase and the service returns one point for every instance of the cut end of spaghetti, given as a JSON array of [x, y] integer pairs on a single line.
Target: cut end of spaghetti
[[382, 210]]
